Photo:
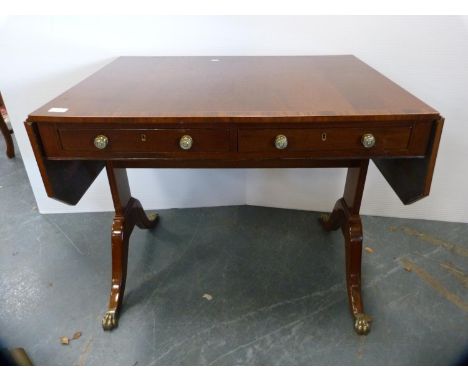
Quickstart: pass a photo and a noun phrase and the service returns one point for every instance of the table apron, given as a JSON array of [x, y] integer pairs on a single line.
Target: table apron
[[235, 143]]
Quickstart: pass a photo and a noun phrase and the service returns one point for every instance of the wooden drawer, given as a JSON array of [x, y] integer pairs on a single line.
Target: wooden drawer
[[164, 140], [388, 139], [231, 141]]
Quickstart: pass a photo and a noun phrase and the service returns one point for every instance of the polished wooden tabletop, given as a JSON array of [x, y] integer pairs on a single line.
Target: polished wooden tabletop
[[290, 88]]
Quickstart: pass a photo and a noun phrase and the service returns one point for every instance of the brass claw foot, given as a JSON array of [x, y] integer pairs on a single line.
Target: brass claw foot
[[153, 216], [362, 323], [110, 320], [324, 217]]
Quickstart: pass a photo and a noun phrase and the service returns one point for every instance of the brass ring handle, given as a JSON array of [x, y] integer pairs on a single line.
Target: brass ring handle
[[186, 142], [368, 140], [281, 142], [101, 142]]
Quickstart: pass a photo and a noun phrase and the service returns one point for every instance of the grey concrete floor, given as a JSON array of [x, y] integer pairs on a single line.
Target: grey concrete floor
[[276, 281]]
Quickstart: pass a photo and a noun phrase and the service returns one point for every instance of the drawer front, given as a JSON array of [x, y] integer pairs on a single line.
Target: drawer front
[[389, 139], [144, 140]]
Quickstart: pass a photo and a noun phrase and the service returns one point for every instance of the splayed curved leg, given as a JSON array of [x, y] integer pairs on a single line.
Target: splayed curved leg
[[346, 215], [128, 213], [333, 221], [352, 231]]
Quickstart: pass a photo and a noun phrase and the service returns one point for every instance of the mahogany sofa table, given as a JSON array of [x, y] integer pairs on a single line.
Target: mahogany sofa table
[[235, 112]]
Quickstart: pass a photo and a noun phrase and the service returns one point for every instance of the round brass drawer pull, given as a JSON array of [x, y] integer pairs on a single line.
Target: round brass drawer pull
[[368, 141], [281, 142], [101, 142], [186, 142]]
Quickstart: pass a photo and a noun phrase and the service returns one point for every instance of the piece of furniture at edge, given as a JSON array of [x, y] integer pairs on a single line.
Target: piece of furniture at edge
[[7, 131], [235, 112]]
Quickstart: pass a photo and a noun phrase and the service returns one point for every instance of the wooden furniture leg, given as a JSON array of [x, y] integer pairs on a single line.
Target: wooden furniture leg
[[128, 213], [5, 127], [6, 131], [346, 215]]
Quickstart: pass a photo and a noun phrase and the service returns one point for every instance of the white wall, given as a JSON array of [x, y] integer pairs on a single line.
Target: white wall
[[43, 56]]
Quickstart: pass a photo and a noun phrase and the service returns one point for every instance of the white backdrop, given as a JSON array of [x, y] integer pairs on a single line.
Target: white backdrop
[[43, 56]]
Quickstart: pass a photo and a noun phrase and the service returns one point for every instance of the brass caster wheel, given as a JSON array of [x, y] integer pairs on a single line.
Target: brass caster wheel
[[362, 324], [110, 320]]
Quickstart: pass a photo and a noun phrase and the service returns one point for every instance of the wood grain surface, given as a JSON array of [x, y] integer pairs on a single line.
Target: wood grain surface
[[254, 88]]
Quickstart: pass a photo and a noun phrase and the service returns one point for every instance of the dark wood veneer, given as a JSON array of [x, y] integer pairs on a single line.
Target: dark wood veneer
[[188, 89]]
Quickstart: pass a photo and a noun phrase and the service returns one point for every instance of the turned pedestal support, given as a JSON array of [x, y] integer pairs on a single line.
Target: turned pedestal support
[[128, 213], [345, 215]]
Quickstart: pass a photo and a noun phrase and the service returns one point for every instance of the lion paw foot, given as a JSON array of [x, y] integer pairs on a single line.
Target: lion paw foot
[[153, 217], [362, 323], [324, 218], [109, 321]]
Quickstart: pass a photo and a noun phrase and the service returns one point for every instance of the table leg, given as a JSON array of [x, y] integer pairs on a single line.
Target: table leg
[[10, 151], [128, 213], [346, 215]]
